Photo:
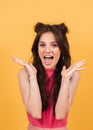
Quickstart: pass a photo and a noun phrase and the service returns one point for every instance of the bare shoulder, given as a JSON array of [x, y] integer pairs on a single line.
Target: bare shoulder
[[22, 73], [76, 75]]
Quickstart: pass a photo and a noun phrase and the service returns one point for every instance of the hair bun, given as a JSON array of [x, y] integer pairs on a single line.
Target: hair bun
[[64, 28], [38, 27]]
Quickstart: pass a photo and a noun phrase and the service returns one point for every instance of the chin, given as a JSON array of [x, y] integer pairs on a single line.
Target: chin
[[49, 67]]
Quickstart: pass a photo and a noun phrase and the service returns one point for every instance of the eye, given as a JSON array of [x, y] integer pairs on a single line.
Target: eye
[[42, 44], [54, 45]]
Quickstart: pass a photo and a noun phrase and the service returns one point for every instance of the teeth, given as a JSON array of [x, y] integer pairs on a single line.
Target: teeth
[[50, 57]]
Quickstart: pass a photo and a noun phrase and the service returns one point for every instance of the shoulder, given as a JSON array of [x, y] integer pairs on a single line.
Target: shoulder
[[22, 73], [76, 75]]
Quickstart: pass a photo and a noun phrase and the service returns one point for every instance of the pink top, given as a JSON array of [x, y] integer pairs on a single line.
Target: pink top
[[48, 119]]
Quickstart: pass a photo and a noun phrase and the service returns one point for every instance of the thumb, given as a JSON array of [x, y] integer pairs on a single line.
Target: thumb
[[64, 68]]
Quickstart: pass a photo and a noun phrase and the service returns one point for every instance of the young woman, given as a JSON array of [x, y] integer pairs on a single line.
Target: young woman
[[49, 83]]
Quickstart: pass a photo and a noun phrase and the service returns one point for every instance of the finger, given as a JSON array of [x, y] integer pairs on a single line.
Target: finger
[[81, 63], [64, 68], [19, 61], [31, 64], [81, 68], [15, 59]]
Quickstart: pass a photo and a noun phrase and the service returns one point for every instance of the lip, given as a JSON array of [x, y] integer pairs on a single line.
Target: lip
[[48, 56]]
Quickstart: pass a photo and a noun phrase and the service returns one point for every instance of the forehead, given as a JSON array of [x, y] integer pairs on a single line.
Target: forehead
[[47, 36]]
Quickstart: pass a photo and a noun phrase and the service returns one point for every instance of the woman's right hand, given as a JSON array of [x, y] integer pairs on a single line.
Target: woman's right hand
[[29, 67]]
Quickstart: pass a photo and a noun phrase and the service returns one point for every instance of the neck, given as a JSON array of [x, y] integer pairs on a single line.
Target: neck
[[49, 72]]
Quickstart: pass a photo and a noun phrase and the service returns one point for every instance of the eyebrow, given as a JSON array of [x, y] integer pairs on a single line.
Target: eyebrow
[[45, 42]]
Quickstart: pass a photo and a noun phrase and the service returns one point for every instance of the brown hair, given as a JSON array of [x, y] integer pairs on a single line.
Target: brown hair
[[59, 31]]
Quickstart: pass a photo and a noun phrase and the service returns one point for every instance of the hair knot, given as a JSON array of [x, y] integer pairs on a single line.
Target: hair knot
[[63, 28], [38, 27]]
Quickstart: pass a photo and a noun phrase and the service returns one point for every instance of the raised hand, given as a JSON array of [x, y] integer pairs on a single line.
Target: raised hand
[[29, 67], [67, 73]]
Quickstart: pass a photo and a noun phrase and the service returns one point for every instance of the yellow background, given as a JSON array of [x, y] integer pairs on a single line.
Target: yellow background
[[17, 19]]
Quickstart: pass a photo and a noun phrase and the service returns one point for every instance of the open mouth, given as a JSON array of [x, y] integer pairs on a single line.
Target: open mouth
[[48, 60], [48, 57]]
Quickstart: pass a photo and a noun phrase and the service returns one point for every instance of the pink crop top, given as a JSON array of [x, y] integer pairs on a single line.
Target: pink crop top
[[48, 119]]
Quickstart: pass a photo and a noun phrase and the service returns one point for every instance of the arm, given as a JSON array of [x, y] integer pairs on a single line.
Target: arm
[[29, 89], [70, 79], [30, 93], [66, 96]]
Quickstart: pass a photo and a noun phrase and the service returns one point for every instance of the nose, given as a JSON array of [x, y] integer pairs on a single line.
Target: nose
[[48, 49]]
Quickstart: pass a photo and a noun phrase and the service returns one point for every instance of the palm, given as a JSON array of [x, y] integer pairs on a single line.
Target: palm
[[29, 67], [67, 73]]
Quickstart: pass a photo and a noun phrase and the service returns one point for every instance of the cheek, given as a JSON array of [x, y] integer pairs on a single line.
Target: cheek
[[40, 53], [57, 55]]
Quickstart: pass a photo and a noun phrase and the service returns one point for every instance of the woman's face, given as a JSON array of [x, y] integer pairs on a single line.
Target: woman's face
[[48, 50]]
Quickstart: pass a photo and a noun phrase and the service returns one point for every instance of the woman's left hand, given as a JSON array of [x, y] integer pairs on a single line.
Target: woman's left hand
[[67, 73]]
